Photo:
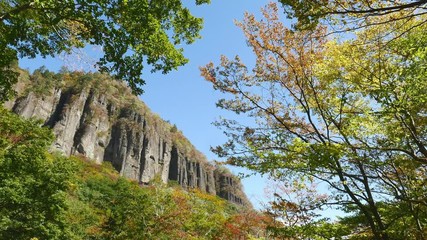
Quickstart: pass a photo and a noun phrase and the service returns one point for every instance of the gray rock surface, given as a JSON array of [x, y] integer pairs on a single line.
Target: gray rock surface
[[229, 188], [139, 144]]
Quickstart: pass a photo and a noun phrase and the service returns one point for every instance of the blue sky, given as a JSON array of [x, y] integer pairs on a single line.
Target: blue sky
[[187, 100], [183, 97]]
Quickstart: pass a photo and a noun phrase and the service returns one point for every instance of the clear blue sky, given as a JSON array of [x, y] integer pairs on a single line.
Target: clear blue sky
[[183, 97], [186, 99]]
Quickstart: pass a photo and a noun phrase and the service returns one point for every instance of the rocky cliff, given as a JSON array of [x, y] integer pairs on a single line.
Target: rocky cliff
[[97, 117]]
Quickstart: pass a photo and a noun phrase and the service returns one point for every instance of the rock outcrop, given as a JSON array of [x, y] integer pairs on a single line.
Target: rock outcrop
[[94, 116], [229, 187]]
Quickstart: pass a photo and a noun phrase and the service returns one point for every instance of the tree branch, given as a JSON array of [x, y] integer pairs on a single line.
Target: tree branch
[[16, 10]]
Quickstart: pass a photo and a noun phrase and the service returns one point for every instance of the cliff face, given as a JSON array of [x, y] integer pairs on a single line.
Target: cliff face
[[229, 187], [99, 119]]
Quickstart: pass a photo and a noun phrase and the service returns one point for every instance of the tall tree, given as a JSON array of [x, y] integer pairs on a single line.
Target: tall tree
[[33, 183], [132, 33], [348, 115]]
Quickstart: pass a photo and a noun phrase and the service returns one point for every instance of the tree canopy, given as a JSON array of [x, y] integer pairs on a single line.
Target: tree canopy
[[132, 33], [346, 114], [345, 15]]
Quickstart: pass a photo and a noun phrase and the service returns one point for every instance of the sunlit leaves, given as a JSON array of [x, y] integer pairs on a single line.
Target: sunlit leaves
[[347, 113], [33, 183], [133, 34], [348, 15]]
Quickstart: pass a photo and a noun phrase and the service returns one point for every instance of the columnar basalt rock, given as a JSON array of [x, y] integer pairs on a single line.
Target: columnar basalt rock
[[141, 146], [229, 187], [191, 174]]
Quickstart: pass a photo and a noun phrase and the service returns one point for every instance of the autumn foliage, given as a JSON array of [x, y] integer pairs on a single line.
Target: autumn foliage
[[345, 113]]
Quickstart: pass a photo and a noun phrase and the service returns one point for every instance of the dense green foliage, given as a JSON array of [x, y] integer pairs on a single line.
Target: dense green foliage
[[132, 33], [47, 196], [33, 183]]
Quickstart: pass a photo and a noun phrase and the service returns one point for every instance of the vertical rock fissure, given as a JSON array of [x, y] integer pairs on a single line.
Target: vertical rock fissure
[[82, 125], [189, 174], [198, 176], [143, 159], [173, 167], [113, 152], [159, 151], [57, 113]]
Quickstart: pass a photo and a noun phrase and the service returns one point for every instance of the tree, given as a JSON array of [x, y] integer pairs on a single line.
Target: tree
[[33, 183], [295, 206], [348, 115], [349, 15], [132, 33]]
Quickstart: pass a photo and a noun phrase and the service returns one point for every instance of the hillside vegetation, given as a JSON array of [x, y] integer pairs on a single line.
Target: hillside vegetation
[[47, 196]]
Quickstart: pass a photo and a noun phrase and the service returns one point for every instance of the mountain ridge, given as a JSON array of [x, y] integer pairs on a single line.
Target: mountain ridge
[[97, 117]]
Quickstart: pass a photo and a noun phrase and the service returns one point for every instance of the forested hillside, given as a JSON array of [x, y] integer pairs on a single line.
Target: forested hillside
[[48, 196], [327, 99]]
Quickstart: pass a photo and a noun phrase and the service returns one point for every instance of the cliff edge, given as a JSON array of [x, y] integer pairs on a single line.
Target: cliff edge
[[98, 117]]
